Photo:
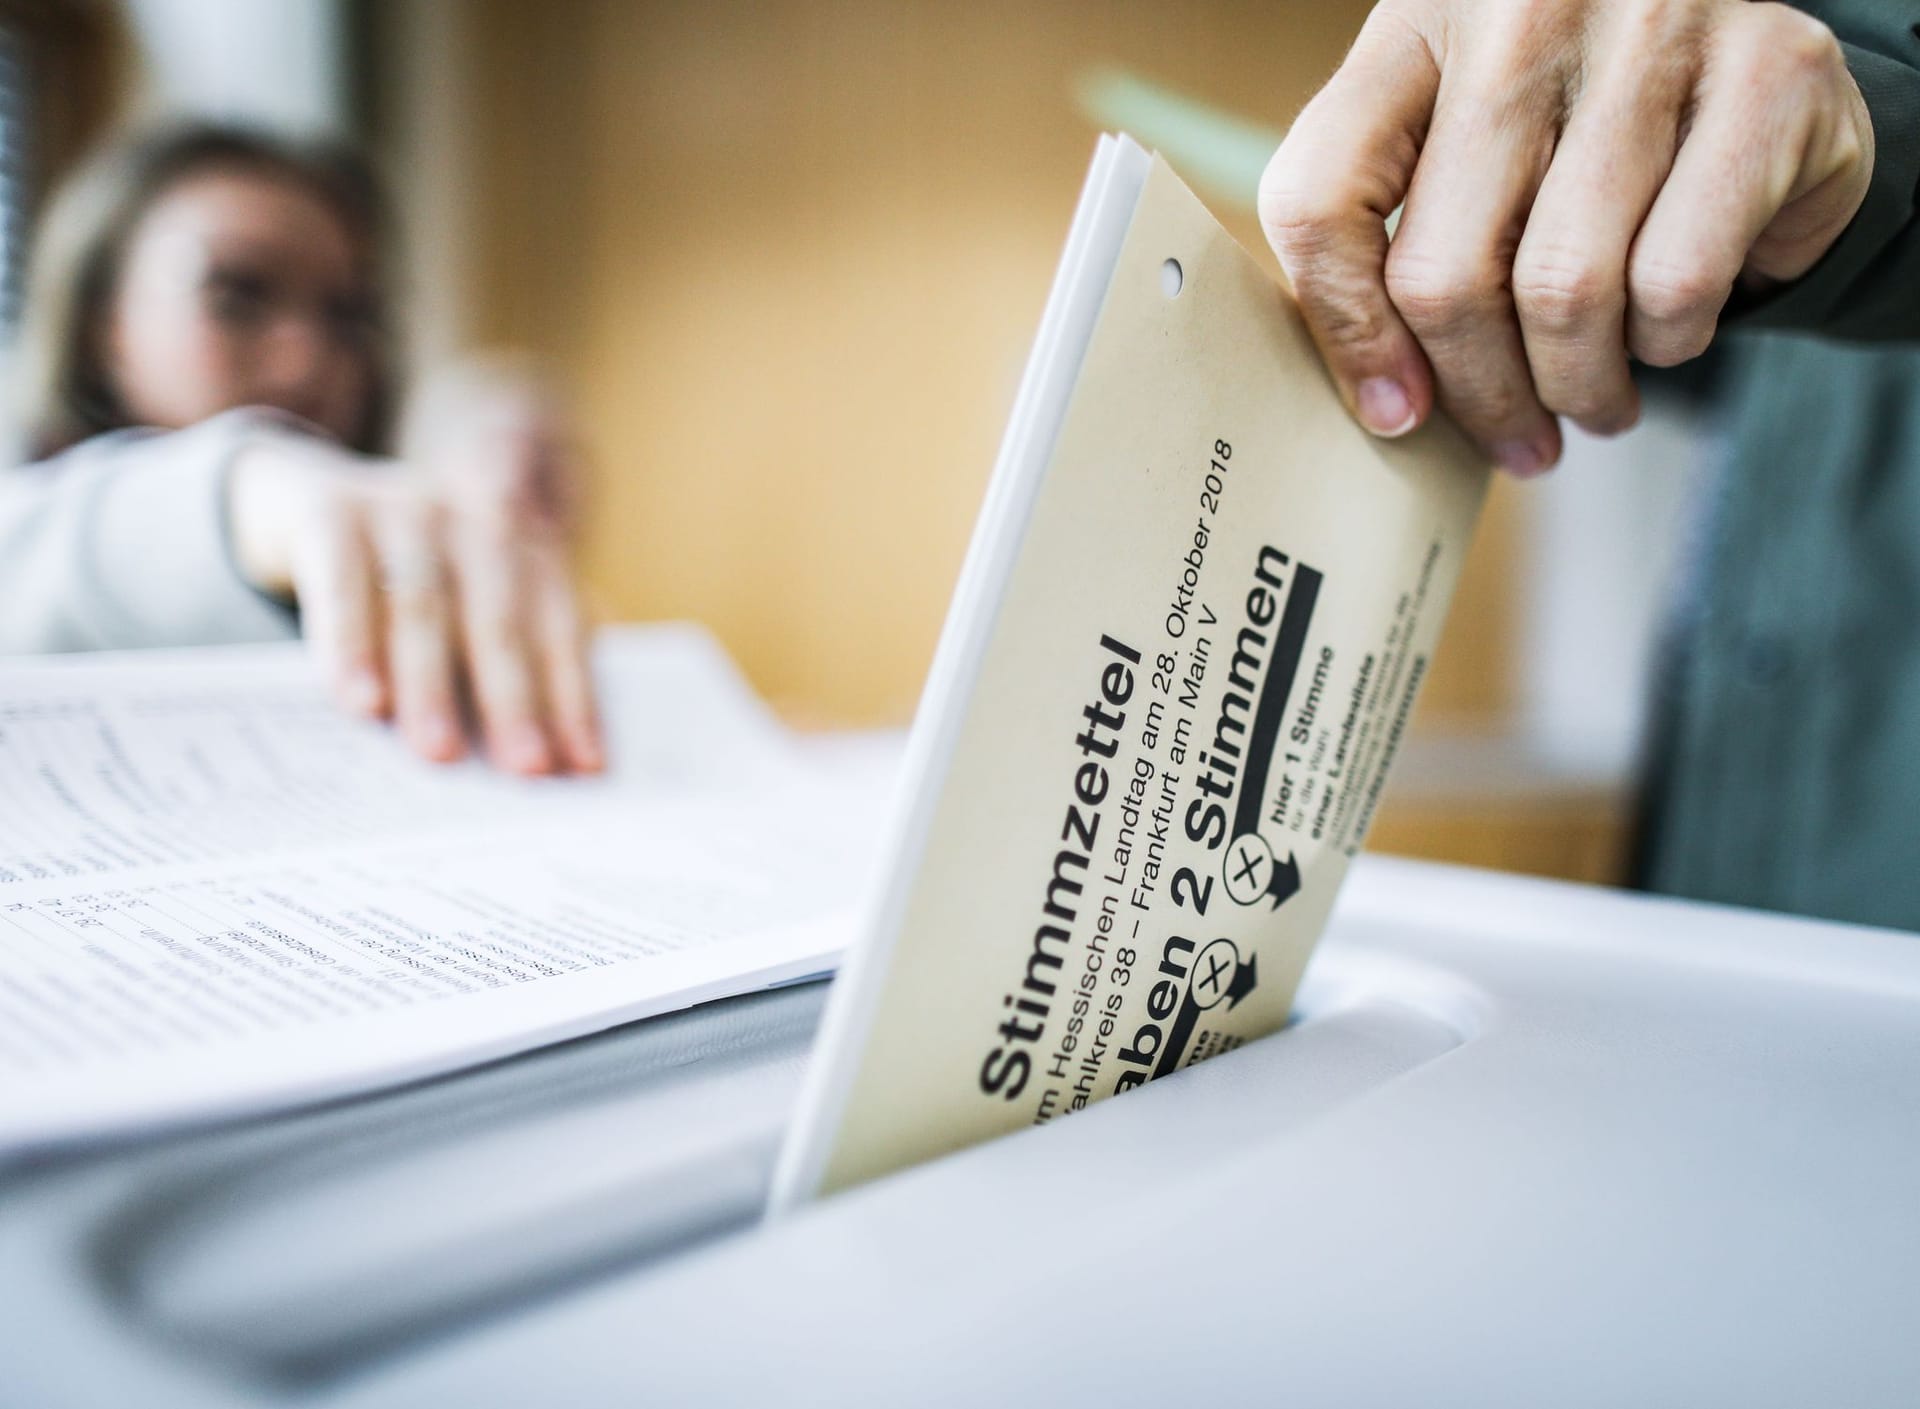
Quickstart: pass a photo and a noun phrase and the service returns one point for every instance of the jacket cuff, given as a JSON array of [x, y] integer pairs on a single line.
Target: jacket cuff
[[1819, 299]]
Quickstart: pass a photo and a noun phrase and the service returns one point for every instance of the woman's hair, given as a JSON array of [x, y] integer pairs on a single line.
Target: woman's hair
[[67, 394]]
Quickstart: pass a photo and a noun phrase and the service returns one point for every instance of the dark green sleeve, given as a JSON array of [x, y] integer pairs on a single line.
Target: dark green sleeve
[[1868, 285]]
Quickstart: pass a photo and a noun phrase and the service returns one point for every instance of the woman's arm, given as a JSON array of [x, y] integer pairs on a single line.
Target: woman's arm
[[426, 593], [122, 542]]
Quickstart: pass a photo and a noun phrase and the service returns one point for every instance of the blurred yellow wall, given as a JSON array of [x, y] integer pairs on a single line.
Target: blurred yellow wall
[[790, 255]]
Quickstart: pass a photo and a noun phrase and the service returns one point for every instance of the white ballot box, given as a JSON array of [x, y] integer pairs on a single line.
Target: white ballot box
[[1525, 1143]]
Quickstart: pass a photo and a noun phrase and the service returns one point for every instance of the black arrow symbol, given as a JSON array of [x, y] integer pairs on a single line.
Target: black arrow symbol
[[1245, 977], [1284, 881]]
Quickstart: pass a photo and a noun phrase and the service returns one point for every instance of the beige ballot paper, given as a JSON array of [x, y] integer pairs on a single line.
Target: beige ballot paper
[[1197, 608]]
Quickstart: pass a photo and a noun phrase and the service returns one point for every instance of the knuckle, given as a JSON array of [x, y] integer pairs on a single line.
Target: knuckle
[[1849, 146], [1667, 295], [1439, 297], [493, 644], [1547, 16], [1345, 318], [1560, 291], [1335, 282], [1646, 19], [1540, 38], [1803, 42], [1399, 17], [1664, 38], [1299, 222], [1850, 130], [417, 610], [1789, 44]]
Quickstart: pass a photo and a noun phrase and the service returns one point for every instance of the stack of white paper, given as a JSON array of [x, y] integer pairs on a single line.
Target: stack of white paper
[[217, 894]]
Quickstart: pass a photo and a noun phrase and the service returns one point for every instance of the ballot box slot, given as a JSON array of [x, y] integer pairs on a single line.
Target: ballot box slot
[[305, 1250], [1362, 1022]]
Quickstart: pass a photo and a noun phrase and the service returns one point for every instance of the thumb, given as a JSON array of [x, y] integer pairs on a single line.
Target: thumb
[[1832, 184]]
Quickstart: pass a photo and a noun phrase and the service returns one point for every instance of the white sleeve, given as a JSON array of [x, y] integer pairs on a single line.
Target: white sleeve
[[122, 542]]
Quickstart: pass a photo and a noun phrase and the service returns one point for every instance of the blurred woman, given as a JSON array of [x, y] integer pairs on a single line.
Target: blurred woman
[[209, 391]]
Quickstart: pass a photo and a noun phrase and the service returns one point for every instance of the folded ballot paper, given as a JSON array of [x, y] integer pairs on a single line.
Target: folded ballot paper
[[1189, 632], [219, 895]]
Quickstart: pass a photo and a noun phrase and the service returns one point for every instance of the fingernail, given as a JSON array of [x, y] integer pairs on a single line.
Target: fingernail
[[1519, 457], [523, 748], [1385, 408]]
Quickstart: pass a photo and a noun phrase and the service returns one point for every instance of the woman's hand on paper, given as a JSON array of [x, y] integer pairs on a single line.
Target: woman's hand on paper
[[424, 591], [1581, 182]]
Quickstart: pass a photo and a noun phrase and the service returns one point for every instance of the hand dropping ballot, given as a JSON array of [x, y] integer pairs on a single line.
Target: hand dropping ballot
[[1196, 612]]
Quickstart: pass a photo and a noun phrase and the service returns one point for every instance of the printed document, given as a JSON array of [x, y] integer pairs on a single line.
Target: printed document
[[218, 894]]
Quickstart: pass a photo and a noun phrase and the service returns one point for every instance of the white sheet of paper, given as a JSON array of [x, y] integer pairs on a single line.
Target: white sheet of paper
[[218, 895]]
